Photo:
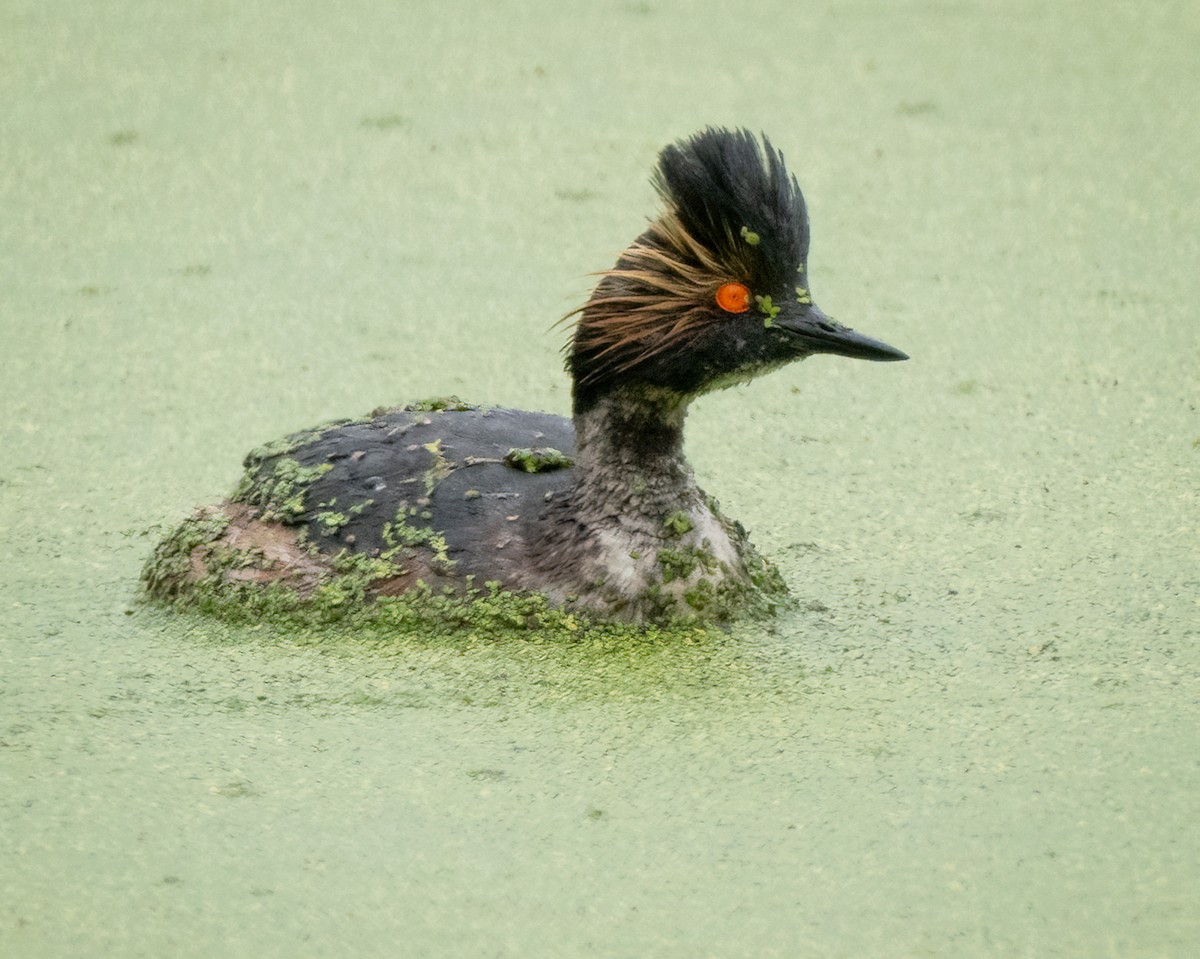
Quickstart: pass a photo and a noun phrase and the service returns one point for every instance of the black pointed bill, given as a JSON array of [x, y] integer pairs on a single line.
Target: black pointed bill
[[817, 333]]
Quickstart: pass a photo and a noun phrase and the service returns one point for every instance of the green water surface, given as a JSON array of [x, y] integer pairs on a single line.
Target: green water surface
[[977, 733]]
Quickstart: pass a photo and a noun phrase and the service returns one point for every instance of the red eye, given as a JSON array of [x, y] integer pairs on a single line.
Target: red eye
[[733, 297]]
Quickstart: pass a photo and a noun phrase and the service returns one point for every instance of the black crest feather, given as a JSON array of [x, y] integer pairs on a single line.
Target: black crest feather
[[720, 181]]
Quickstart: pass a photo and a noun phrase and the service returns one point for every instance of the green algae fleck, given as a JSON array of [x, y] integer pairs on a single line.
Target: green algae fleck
[[769, 309], [677, 523], [439, 404], [281, 493], [537, 459]]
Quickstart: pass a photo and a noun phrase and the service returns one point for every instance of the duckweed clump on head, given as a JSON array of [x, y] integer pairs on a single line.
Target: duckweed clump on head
[[750, 236], [769, 309]]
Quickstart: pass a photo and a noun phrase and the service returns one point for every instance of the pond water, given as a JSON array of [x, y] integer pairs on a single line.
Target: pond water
[[976, 734]]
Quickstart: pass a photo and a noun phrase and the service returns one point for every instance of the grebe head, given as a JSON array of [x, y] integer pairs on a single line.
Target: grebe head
[[714, 292]]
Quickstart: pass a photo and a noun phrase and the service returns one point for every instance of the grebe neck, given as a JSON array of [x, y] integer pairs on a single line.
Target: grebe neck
[[629, 455]]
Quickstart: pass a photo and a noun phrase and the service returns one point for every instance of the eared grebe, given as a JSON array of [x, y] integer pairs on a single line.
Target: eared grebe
[[449, 505]]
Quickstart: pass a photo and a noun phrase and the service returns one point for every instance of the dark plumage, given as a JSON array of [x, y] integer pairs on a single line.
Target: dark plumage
[[599, 514]]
